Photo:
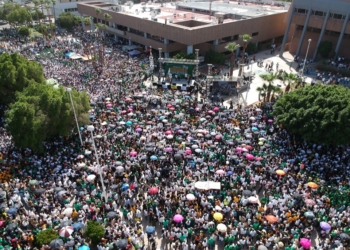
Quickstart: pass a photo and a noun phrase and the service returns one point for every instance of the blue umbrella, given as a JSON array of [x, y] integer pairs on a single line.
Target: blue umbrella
[[229, 172], [255, 129], [162, 118], [77, 225], [129, 123], [153, 158], [12, 210], [150, 230], [125, 187], [84, 248], [92, 116]]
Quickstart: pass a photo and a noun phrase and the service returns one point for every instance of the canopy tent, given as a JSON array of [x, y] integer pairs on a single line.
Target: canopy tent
[[75, 57], [134, 52], [69, 54], [86, 57], [206, 185]]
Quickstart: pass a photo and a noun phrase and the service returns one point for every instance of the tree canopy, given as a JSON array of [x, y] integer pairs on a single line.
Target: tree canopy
[[319, 114], [42, 112], [94, 231], [68, 20], [325, 48], [16, 73], [46, 236]]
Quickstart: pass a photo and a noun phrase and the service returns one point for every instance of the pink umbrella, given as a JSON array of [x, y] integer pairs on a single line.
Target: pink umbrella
[[153, 190], [109, 105], [139, 130], [305, 243], [123, 112], [258, 158], [1, 223], [239, 149], [133, 153], [216, 109], [169, 105], [130, 109], [270, 121], [218, 137], [198, 109], [172, 108], [189, 152], [178, 218], [310, 202], [249, 147], [168, 149], [249, 156], [128, 99], [220, 172], [168, 132], [210, 112]]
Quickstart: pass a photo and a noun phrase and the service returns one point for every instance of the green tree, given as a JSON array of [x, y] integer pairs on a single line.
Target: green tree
[[214, 57], [232, 47], [24, 31], [94, 231], [325, 48], [262, 92], [67, 20], [251, 48], [16, 73], [45, 237], [246, 38], [19, 16], [7, 8], [42, 112], [291, 80], [319, 113], [54, 8], [191, 56], [270, 78]]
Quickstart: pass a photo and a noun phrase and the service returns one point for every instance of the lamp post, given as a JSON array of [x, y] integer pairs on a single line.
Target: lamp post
[[69, 90], [197, 62], [160, 64], [307, 51], [151, 62], [209, 78], [91, 129]]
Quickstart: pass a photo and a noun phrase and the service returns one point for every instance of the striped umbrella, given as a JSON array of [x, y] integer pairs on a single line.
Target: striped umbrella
[[66, 231]]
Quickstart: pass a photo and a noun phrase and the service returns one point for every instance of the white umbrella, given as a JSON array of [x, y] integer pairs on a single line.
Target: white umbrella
[[68, 211], [81, 165], [170, 136], [218, 208], [252, 118], [104, 123], [108, 99], [190, 197], [91, 178], [221, 228], [87, 152], [253, 199], [194, 146], [119, 169], [262, 139]]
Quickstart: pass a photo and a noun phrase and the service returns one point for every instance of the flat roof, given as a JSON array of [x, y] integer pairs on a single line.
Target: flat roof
[[180, 12]]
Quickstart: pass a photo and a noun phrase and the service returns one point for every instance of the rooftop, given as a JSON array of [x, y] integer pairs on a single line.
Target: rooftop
[[195, 14]]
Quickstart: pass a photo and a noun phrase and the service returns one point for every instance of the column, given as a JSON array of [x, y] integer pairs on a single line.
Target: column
[[83, 26], [130, 42], [92, 25], [189, 49], [145, 35], [216, 42], [301, 40], [321, 34], [116, 38], [166, 54], [289, 22], [341, 34], [128, 29], [166, 41]]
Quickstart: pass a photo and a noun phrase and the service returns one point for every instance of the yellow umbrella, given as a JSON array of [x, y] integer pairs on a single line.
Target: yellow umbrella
[[218, 216]]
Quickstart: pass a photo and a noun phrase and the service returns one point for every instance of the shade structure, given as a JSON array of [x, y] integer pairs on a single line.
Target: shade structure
[[178, 218], [305, 243], [324, 225], [153, 190], [312, 185], [218, 216], [249, 156], [150, 230], [33, 182], [190, 197], [247, 193], [221, 228], [280, 172], [66, 231], [56, 244], [271, 218]]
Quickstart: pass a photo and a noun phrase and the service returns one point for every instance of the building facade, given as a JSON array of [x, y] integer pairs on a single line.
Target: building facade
[[184, 28], [318, 20]]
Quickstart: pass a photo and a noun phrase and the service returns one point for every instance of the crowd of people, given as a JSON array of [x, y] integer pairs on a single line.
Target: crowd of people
[[177, 173]]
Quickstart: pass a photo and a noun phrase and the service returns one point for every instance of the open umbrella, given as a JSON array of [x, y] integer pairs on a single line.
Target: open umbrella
[[280, 172], [220, 172], [150, 230], [125, 187], [84, 247], [253, 199], [262, 247], [309, 215], [178, 218], [77, 226], [310, 202], [33, 182], [312, 185], [121, 244], [66, 231], [221, 228], [325, 226], [190, 197], [247, 193], [153, 190], [11, 227], [218, 216], [56, 244], [271, 218], [112, 214], [344, 236], [65, 223], [12, 210], [91, 178], [305, 243]]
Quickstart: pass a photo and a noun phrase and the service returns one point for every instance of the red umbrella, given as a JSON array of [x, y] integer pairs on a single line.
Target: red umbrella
[[153, 190]]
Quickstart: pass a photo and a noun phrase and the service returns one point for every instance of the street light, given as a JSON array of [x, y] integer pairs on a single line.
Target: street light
[[307, 51], [160, 64], [197, 62], [69, 90], [91, 129], [151, 62]]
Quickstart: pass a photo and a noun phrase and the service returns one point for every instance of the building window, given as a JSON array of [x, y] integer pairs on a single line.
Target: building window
[[301, 11], [300, 27], [337, 16], [255, 34], [235, 37], [318, 13]]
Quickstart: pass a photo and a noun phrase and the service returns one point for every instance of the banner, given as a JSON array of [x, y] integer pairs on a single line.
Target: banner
[[179, 69]]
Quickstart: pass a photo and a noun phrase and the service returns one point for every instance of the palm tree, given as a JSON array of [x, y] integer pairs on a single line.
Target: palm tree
[[274, 90], [42, 6], [36, 9], [54, 8], [291, 79], [232, 47], [246, 38], [262, 92], [269, 78], [100, 30], [47, 7]]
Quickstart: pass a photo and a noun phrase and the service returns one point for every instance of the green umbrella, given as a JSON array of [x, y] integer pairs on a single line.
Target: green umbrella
[[33, 182]]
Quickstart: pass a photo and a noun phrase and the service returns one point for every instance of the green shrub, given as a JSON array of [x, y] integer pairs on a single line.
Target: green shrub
[[45, 237], [94, 231]]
